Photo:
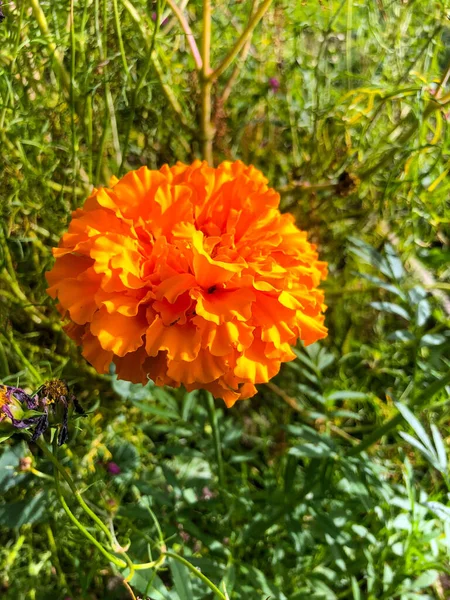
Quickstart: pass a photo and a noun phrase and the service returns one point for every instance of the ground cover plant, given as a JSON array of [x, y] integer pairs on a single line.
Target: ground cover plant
[[331, 482]]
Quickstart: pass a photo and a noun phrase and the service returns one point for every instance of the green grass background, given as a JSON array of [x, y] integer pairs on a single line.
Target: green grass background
[[356, 139]]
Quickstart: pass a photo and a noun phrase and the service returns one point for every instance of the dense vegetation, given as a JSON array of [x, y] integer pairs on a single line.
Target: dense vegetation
[[335, 479]]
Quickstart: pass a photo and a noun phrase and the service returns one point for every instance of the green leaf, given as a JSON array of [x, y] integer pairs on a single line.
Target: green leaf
[[433, 339], [312, 451], [440, 447], [384, 285], [9, 462], [423, 312], [415, 425], [151, 409], [390, 307], [401, 335], [347, 395], [355, 589], [25, 512], [181, 580], [425, 580]]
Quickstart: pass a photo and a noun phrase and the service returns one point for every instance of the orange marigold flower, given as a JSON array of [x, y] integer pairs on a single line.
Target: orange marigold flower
[[189, 275]]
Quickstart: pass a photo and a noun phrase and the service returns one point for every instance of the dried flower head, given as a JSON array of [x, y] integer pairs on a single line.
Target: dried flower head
[[50, 406], [16, 408], [189, 275]]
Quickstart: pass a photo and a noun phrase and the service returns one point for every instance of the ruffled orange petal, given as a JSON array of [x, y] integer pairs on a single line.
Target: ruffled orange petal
[[182, 342], [117, 333], [204, 369], [99, 358], [219, 306]]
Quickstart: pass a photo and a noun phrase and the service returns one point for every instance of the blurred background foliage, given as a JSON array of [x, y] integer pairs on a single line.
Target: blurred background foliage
[[345, 107]]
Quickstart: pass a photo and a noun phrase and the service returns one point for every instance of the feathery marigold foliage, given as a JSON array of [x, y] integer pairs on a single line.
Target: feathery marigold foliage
[[189, 275]]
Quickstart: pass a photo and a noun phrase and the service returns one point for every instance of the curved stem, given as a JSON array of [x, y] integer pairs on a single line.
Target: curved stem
[[58, 466], [188, 32], [253, 22], [198, 574], [117, 561], [122, 564]]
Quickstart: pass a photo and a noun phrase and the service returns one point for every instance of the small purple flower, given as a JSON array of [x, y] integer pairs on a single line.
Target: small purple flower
[[274, 84], [113, 468], [153, 16], [164, 21]]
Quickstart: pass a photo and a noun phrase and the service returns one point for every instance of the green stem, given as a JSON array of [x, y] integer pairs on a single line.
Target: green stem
[[59, 58], [116, 561], [58, 466], [137, 88], [188, 32], [198, 574], [253, 22], [120, 40], [216, 437], [206, 127], [72, 100], [167, 90]]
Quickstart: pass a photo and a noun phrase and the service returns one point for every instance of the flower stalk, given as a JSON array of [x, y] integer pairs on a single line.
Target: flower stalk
[[216, 437], [207, 129]]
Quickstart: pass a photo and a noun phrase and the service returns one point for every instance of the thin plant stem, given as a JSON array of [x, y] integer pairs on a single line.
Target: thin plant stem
[[58, 466], [128, 587], [348, 41], [108, 95], [253, 22], [119, 563], [120, 40], [138, 88], [58, 56], [116, 561], [153, 58], [10, 95], [238, 67], [216, 437], [54, 550], [188, 32], [72, 100], [206, 127]]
